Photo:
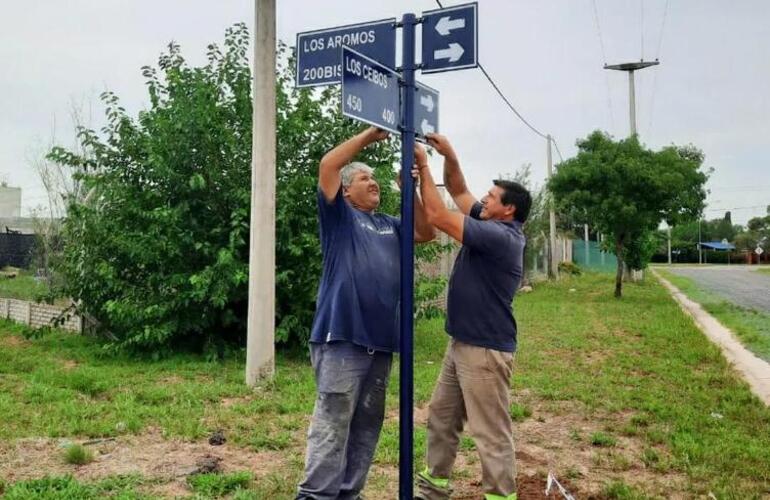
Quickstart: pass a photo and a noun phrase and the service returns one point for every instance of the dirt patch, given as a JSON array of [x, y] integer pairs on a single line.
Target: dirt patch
[[228, 402], [13, 341], [69, 364], [167, 461], [557, 439], [533, 488]]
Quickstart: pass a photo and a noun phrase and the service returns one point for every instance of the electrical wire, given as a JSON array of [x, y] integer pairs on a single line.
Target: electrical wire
[[604, 61], [508, 102], [655, 76]]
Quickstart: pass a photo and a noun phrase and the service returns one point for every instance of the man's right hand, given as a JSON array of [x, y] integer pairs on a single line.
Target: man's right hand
[[441, 144]]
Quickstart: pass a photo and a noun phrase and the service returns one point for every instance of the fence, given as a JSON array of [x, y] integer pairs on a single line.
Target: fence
[[588, 255], [16, 249], [37, 315]]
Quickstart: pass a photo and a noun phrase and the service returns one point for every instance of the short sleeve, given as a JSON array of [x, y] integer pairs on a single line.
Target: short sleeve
[[331, 214], [475, 211], [484, 236]]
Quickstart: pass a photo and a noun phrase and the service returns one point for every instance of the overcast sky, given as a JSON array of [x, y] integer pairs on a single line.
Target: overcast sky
[[711, 88]]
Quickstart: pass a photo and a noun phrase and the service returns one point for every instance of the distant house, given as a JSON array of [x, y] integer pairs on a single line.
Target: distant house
[[717, 246]]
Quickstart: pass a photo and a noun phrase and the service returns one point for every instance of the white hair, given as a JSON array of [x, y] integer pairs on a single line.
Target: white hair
[[349, 171]]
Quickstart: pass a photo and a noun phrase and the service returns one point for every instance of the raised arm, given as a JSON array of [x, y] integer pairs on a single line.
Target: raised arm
[[329, 169], [436, 212], [454, 181], [423, 230]]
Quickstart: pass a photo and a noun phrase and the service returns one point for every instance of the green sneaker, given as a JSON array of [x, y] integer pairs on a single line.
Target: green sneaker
[[432, 488]]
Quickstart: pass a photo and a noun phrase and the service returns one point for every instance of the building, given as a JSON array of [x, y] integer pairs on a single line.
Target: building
[[10, 202]]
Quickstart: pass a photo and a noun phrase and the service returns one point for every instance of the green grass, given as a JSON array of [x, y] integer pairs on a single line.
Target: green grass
[[68, 488], [751, 327], [22, 287], [78, 455], [635, 367], [217, 485], [764, 270], [602, 439]]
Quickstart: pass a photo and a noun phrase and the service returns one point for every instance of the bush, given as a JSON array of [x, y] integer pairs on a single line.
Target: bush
[[157, 253], [570, 268]]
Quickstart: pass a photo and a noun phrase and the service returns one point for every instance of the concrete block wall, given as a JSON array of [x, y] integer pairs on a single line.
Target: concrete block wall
[[37, 315]]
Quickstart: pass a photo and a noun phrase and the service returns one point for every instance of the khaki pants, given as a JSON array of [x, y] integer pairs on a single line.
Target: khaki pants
[[473, 387]]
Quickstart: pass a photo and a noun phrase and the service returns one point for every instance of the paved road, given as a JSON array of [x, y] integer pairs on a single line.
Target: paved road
[[738, 284]]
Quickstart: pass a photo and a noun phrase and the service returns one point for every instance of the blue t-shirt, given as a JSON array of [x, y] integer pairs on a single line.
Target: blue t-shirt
[[484, 280], [358, 297]]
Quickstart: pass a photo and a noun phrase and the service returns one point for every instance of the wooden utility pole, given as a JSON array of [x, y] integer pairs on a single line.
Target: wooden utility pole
[[260, 346]]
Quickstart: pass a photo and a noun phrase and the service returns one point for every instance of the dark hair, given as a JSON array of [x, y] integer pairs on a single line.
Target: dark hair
[[517, 195]]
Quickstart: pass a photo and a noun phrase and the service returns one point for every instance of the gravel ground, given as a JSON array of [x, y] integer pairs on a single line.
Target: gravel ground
[[740, 285]]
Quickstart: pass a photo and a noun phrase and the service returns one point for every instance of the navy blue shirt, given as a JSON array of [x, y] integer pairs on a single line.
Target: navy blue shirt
[[485, 277], [358, 297]]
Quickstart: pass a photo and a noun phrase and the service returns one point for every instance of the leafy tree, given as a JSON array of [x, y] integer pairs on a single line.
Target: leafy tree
[[624, 190], [157, 252]]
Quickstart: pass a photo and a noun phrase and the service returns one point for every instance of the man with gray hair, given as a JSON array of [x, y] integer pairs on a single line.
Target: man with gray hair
[[356, 325]]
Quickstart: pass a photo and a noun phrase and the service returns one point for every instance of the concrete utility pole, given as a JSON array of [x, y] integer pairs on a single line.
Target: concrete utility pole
[[669, 244], [553, 271], [260, 346], [630, 68]]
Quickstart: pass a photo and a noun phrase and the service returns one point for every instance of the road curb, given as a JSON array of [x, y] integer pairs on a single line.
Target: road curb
[[753, 369]]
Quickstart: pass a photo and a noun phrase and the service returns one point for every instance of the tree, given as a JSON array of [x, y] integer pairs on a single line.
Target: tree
[[625, 190], [157, 253]]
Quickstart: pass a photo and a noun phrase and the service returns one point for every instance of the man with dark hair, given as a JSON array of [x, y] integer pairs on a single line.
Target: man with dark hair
[[355, 330], [474, 384]]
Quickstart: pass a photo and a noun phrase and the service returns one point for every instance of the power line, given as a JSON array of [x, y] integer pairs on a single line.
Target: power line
[[655, 76], [641, 27], [505, 99], [604, 61], [662, 27], [561, 158], [599, 31], [735, 208]]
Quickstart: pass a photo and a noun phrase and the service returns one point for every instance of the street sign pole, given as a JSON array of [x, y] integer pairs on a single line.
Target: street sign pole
[[406, 424]]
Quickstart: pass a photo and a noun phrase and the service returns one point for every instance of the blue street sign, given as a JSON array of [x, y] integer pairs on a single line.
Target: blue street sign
[[425, 111], [370, 91], [450, 38], [318, 52]]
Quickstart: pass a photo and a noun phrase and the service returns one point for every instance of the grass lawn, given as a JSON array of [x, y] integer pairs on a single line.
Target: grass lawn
[[764, 270], [22, 287], [620, 398], [752, 327]]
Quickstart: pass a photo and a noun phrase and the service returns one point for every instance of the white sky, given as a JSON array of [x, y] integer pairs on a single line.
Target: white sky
[[710, 89]]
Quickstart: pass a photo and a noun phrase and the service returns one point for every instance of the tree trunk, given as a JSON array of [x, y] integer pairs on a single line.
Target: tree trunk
[[619, 274]]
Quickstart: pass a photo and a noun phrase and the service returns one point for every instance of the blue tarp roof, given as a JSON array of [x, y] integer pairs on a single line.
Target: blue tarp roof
[[717, 245]]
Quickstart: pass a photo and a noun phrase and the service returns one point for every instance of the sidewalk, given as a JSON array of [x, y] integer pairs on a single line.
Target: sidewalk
[[754, 370]]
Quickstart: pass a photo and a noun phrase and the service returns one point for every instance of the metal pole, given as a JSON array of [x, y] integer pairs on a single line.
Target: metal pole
[[632, 102], [553, 272], [406, 431], [669, 244], [260, 345], [587, 245]]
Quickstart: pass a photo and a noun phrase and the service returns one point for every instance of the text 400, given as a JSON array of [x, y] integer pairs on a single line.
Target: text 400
[[389, 116]]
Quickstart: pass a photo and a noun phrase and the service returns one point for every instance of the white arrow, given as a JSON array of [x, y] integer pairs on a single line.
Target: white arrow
[[427, 101], [426, 127], [445, 25], [453, 53]]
